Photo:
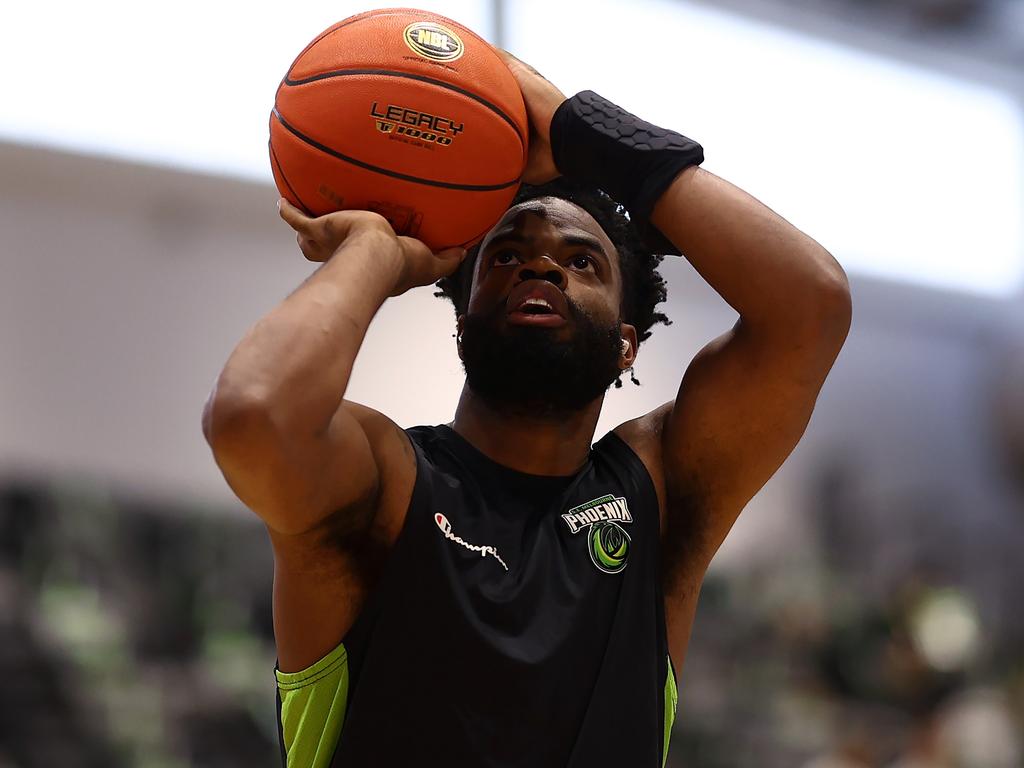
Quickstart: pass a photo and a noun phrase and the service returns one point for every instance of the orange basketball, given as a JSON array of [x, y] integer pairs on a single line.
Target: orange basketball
[[405, 113]]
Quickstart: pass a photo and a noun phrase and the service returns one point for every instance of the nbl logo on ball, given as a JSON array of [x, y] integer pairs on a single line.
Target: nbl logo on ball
[[433, 41]]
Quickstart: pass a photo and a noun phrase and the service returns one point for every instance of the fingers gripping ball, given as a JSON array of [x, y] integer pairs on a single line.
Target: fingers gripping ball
[[405, 113]]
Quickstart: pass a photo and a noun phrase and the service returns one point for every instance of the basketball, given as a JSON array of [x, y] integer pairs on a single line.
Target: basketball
[[405, 113]]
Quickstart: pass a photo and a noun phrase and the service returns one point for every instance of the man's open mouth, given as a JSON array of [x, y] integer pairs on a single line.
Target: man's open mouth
[[537, 303], [535, 306]]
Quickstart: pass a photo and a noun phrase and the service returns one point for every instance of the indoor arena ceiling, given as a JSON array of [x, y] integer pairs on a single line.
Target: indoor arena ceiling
[[986, 31]]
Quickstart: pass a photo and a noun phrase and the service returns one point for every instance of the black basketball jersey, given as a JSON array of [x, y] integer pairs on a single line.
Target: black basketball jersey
[[518, 622]]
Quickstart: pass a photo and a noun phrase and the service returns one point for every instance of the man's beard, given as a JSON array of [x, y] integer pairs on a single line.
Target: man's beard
[[526, 371]]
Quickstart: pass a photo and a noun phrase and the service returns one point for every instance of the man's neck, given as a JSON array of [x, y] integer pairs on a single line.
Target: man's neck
[[537, 445]]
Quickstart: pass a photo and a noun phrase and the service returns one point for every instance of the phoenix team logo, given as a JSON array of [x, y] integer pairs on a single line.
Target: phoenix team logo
[[607, 540]]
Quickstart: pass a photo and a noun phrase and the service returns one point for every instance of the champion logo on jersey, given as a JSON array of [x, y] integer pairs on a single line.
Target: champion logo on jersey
[[607, 540], [446, 529]]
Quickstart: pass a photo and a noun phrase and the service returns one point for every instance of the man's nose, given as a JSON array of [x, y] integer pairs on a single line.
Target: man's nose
[[542, 267]]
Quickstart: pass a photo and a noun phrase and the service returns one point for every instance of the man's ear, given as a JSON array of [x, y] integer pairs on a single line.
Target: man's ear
[[629, 346], [460, 322]]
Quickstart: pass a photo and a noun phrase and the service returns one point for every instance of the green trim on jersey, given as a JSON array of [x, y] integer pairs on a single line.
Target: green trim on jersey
[[313, 705], [671, 701]]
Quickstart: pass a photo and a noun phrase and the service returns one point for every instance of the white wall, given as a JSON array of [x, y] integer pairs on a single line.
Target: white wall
[[124, 289]]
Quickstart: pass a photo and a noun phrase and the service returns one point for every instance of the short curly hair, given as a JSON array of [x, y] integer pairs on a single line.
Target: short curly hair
[[643, 287]]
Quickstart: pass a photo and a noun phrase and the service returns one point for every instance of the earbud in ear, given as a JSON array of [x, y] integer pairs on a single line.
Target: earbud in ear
[[625, 346]]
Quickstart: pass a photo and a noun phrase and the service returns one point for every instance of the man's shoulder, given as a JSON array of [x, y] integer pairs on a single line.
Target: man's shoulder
[[391, 446], [643, 435], [385, 435]]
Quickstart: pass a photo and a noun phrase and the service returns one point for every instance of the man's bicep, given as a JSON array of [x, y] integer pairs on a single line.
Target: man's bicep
[[742, 407], [294, 480]]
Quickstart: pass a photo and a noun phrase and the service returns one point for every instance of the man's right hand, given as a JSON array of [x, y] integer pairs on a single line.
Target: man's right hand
[[321, 238]]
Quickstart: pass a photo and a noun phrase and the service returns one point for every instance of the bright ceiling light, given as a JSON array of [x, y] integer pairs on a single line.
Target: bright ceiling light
[[189, 85]]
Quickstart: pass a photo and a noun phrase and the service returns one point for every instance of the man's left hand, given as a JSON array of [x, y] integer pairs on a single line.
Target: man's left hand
[[542, 99]]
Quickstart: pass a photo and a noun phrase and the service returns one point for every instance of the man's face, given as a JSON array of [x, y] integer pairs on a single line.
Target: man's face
[[542, 335]]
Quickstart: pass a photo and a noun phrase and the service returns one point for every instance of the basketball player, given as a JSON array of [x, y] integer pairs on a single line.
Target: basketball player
[[499, 590]]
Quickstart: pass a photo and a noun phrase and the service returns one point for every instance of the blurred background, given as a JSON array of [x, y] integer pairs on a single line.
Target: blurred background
[[867, 610]]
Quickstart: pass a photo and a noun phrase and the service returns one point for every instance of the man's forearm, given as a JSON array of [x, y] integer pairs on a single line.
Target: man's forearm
[[769, 271], [295, 362]]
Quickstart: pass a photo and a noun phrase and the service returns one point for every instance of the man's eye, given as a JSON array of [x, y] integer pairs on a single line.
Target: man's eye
[[582, 262], [505, 258]]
